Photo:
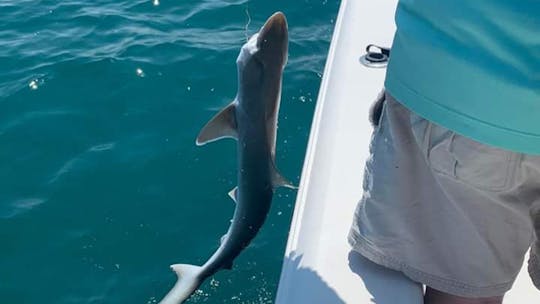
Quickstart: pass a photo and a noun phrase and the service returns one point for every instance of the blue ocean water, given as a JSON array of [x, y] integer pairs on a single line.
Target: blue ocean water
[[101, 184]]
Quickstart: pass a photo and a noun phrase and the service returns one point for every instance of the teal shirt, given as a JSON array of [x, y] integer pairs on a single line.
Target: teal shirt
[[472, 66]]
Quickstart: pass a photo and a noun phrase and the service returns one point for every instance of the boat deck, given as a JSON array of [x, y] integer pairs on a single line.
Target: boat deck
[[319, 266]]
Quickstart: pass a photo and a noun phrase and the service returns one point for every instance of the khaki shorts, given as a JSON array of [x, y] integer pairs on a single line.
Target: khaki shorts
[[445, 210]]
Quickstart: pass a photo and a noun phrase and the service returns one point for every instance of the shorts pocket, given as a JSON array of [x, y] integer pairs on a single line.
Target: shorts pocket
[[478, 165], [481, 165]]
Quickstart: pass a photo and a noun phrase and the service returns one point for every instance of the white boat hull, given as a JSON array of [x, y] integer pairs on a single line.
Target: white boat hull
[[319, 266]]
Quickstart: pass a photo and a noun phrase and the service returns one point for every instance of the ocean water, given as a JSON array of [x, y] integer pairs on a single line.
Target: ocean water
[[101, 184]]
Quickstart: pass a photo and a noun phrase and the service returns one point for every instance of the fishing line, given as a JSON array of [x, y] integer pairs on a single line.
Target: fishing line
[[248, 22]]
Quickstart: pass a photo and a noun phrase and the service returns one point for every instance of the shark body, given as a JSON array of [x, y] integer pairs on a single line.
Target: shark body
[[252, 120]]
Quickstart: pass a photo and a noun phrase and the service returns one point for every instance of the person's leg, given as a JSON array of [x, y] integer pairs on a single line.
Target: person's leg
[[438, 297]]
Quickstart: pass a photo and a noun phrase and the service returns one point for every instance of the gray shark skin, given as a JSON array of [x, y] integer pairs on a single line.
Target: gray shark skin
[[251, 119]]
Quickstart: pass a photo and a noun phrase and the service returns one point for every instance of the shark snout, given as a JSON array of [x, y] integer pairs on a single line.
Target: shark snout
[[273, 37], [276, 22]]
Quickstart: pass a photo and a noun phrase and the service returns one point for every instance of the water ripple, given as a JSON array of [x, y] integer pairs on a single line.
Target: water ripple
[[102, 147], [90, 149], [134, 30], [20, 206]]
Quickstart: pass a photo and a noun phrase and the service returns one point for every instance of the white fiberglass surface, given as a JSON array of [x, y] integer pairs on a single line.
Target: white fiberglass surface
[[319, 266]]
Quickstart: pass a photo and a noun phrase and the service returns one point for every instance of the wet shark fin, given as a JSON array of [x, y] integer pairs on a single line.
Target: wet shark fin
[[222, 125], [279, 181], [188, 282], [234, 194]]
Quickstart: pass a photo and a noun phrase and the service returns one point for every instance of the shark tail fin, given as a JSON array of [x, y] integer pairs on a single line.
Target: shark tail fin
[[188, 281]]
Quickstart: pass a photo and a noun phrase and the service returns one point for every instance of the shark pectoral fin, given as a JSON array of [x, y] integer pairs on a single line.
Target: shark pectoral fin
[[234, 194], [279, 181], [220, 126]]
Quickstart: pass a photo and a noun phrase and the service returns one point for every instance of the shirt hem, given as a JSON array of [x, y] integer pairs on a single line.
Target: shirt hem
[[480, 131]]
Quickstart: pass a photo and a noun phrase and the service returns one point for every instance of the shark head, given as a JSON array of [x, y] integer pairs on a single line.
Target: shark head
[[272, 41], [262, 59], [260, 67], [267, 49]]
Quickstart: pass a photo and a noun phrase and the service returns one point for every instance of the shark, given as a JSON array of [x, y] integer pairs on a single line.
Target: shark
[[251, 119]]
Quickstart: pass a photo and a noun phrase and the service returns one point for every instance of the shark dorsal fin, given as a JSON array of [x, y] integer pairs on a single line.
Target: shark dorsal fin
[[278, 180], [222, 125]]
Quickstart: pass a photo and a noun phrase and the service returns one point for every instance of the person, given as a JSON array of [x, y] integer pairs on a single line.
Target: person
[[452, 185]]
